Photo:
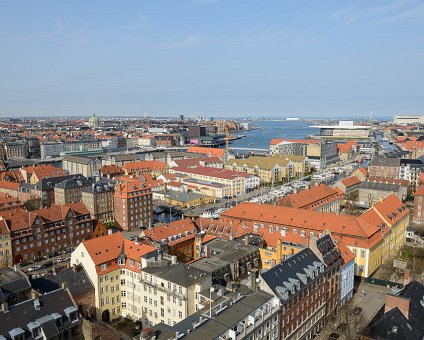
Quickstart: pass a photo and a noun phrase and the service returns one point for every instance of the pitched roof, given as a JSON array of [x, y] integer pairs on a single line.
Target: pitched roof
[[212, 172], [351, 229], [313, 195], [207, 151], [388, 212], [350, 181], [107, 248], [144, 166], [177, 230]]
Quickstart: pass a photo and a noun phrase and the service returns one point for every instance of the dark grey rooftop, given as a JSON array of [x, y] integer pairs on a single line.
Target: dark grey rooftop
[[11, 282], [382, 161], [101, 186], [297, 271], [32, 312], [237, 308], [224, 252], [77, 281], [380, 186], [49, 183], [180, 274], [74, 183]]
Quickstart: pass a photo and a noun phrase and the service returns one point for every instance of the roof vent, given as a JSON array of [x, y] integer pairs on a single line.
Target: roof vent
[[37, 304]]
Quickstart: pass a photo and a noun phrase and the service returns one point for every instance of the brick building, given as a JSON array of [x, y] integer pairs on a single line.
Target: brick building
[[300, 284], [133, 204], [384, 167], [46, 231]]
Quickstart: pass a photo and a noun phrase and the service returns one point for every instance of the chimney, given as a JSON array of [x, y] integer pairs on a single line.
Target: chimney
[[246, 240], [393, 301], [74, 268], [5, 307], [406, 276]]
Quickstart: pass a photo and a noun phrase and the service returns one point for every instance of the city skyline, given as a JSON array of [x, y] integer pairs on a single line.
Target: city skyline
[[212, 58]]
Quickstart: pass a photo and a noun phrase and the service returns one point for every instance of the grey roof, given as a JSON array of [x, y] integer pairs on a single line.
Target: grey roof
[[184, 197], [77, 281], [180, 274], [23, 314], [297, 269], [101, 186], [74, 183], [12, 282], [237, 308], [124, 157], [223, 253], [80, 160], [379, 186], [49, 183], [382, 161]]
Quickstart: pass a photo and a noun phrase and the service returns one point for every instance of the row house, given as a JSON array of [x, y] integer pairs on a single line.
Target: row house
[[133, 280], [272, 169], [98, 198], [319, 198], [384, 167], [300, 283], [46, 231], [153, 168], [239, 182], [372, 237], [32, 174]]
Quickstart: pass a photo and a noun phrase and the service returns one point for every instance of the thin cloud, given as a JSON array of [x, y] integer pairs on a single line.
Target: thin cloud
[[83, 35], [55, 32], [189, 41]]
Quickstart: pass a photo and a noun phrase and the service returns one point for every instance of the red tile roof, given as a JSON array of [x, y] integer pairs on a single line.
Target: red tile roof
[[317, 195], [108, 248], [207, 151], [160, 232], [350, 181], [347, 254], [388, 211]]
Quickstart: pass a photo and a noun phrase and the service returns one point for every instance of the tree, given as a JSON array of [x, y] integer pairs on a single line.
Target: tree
[[353, 319]]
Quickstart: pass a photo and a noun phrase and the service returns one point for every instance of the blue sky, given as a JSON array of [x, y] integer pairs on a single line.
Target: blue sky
[[212, 57]]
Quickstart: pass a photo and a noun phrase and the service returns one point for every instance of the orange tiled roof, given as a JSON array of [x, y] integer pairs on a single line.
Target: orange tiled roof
[[354, 230], [388, 211], [125, 189], [108, 248], [207, 151], [347, 254], [350, 181], [308, 197], [18, 218], [111, 170], [9, 185], [160, 232]]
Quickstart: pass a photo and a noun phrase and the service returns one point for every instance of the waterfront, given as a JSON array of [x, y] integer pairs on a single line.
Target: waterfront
[[267, 130]]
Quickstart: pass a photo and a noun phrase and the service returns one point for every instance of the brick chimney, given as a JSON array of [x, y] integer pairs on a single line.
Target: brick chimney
[[406, 276], [402, 303]]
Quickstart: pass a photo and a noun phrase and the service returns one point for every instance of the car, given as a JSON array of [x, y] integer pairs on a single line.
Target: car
[[47, 264], [34, 267], [23, 264]]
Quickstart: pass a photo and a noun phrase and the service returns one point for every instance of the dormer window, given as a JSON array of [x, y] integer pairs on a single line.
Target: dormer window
[[121, 261], [103, 266], [131, 263]]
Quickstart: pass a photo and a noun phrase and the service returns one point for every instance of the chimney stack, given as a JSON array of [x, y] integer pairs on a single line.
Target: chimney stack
[[5, 307]]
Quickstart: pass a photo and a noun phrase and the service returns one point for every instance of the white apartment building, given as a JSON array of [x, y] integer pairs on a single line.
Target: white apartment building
[[134, 281]]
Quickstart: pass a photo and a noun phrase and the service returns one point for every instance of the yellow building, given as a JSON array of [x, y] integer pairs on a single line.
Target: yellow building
[[272, 168], [188, 200], [5, 244]]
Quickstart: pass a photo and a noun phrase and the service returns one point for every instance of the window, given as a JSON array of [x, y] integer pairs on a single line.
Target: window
[[103, 266]]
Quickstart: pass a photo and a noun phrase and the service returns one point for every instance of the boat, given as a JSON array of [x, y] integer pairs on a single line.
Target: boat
[[250, 144]]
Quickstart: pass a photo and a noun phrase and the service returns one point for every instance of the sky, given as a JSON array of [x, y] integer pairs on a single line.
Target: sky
[[229, 58]]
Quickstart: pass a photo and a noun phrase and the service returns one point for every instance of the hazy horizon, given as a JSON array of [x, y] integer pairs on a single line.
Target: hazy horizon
[[223, 58]]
